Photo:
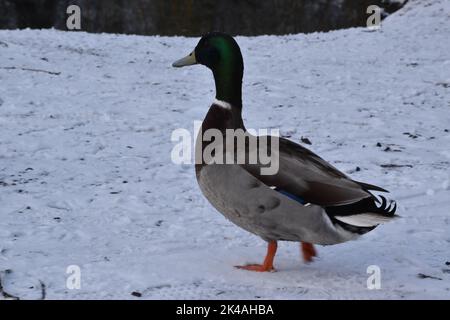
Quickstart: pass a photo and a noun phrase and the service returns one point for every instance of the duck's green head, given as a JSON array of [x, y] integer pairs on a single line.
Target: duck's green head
[[220, 53]]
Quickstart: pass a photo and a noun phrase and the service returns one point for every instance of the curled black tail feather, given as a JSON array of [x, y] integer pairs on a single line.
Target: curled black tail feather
[[365, 205], [385, 208]]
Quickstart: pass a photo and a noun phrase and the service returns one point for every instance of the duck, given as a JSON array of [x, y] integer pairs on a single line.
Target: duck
[[306, 200]]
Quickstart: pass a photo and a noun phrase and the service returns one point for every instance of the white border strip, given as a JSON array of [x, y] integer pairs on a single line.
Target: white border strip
[[222, 104]]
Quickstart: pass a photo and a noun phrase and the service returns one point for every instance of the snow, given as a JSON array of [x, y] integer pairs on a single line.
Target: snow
[[86, 177]]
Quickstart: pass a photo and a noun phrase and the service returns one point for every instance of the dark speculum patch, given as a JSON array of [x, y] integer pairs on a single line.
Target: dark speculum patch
[[272, 203], [261, 208], [254, 184]]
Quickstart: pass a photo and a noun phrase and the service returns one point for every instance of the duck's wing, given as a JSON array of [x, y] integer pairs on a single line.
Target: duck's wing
[[305, 175]]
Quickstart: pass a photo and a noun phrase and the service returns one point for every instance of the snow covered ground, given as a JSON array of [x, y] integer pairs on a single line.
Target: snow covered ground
[[86, 177]]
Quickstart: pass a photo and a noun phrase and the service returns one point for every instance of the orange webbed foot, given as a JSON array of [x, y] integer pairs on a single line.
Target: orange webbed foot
[[256, 267], [267, 265], [308, 251]]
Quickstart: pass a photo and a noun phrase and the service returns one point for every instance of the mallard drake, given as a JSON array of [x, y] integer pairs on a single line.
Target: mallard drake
[[307, 200]]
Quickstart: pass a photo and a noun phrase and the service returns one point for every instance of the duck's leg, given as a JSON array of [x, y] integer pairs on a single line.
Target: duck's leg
[[267, 265], [308, 251]]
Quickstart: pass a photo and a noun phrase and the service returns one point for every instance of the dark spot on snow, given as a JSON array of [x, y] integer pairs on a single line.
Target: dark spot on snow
[[392, 148], [28, 208], [425, 276], [161, 286], [412, 64], [136, 294], [197, 283], [124, 181], [393, 165], [443, 84], [306, 140], [357, 169], [129, 147], [115, 192], [447, 263], [57, 218], [411, 135], [445, 130], [378, 144], [159, 223]]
